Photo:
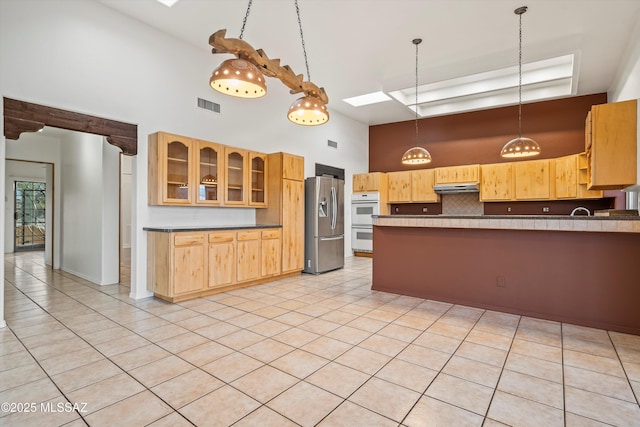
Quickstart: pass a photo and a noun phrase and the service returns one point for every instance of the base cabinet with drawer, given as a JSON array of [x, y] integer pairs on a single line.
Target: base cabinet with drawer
[[186, 265]]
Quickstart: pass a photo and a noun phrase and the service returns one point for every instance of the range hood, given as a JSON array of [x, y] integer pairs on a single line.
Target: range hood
[[462, 187]]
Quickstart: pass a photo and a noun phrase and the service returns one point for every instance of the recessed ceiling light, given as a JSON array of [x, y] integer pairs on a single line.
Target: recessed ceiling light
[[168, 3], [369, 98]]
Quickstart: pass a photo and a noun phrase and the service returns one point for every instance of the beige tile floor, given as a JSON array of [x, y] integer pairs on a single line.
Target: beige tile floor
[[304, 351]]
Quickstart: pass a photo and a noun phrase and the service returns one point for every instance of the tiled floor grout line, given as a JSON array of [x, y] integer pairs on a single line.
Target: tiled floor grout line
[[615, 348], [445, 363], [504, 364]]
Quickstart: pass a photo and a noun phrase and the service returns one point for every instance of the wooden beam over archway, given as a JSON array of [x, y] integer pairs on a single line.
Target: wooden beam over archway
[[21, 116]]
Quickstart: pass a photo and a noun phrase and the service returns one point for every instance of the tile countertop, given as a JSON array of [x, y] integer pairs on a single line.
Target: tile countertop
[[610, 224], [179, 229]]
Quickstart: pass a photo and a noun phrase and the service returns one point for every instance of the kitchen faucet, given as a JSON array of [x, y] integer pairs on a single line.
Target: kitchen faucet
[[580, 208]]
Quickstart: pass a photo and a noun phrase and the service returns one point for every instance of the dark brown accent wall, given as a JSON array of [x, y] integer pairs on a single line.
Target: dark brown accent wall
[[556, 207], [478, 136], [585, 278]]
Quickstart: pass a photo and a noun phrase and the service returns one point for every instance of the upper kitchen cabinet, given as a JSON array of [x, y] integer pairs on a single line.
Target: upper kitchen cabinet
[[583, 179], [171, 177], [532, 180], [457, 174], [370, 182], [209, 168], [422, 186], [399, 187], [258, 181], [235, 173], [292, 166], [611, 145], [496, 183], [571, 178]]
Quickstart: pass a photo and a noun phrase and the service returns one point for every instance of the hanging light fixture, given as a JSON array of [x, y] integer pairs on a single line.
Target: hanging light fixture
[[243, 76], [416, 155], [520, 146], [308, 110], [237, 76]]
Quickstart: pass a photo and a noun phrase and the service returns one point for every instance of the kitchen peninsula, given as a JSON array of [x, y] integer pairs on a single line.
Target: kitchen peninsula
[[581, 270]]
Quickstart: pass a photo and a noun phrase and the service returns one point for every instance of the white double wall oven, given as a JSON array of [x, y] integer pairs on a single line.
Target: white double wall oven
[[363, 206]]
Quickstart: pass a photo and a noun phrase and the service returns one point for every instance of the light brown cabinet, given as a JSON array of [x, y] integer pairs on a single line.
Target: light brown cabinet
[[188, 263], [422, 186], [532, 180], [457, 174], [209, 167], [285, 189], [258, 170], [185, 265], [571, 178], [190, 172], [583, 180], [235, 174], [399, 187], [368, 182], [248, 255], [171, 177], [611, 145], [566, 177], [496, 182], [270, 253], [222, 258], [412, 186]]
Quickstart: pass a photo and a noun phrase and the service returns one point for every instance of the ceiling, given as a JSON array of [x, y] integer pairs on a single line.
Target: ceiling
[[357, 46]]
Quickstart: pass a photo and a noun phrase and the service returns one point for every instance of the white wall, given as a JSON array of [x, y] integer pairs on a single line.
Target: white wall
[[94, 60], [125, 202], [90, 208], [39, 148]]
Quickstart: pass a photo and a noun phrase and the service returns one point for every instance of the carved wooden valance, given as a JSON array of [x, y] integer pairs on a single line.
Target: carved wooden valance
[[21, 116]]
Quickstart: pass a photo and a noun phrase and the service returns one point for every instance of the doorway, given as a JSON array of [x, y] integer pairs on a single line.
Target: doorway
[[29, 219]]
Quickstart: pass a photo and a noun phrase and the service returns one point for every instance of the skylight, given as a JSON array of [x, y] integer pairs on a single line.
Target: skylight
[[367, 99], [168, 3], [546, 79]]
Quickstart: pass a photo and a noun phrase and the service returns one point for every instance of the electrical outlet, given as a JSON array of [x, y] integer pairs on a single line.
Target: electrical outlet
[[425, 209], [501, 281], [545, 209], [508, 209]]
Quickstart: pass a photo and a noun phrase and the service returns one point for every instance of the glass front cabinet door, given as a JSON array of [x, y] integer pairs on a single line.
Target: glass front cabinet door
[[209, 159], [258, 180], [235, 173], [177, 162]]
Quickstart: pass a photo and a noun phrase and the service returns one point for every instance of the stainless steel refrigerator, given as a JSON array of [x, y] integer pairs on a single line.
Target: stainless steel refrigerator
[[324, 224]]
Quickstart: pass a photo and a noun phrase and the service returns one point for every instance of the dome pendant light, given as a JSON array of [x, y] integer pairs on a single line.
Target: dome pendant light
[[416, 155], [308, 110], [520, 146], [237, 76]]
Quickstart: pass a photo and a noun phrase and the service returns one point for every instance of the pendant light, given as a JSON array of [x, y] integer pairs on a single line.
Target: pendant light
[[520, 146], [416, 155], [237, 76], [308, 110]]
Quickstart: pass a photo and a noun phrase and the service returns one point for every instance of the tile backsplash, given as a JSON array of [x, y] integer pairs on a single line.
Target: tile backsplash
[[462, 204]]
